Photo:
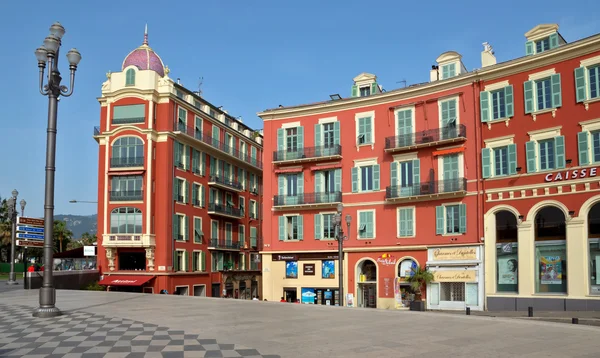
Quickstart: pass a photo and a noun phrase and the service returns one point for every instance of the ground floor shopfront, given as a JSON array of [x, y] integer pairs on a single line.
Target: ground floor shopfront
[[184, 284], [542, 250]]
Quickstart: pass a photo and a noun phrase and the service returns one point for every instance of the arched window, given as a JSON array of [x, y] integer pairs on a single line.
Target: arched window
[[126, 220], [507, 258], [594, 245], [366, 293], [127, 152], [550, 251], [130, 77], [405, 268]]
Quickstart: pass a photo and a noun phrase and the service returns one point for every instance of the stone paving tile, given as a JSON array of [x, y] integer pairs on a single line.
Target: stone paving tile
[[87, 335]]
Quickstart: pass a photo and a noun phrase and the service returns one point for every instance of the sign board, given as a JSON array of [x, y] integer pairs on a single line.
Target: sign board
[[309, 269], [23, 235], [29, 243], [89, 250], [30, 229], [571, 174], [455, 253], [455, 276], [22, 220]]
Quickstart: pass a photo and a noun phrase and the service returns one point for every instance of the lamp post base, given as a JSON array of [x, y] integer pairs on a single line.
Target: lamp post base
[[47, 301], [12, 282]]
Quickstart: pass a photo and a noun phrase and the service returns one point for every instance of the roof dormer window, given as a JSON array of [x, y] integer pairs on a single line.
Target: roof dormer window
[[365, 91], [449, 64], [365, 85], [543, 38], [448, 70]]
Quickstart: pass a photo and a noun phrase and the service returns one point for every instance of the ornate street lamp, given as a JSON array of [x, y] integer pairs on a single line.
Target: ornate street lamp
[[12, 214], [340, 239], [48, 54]]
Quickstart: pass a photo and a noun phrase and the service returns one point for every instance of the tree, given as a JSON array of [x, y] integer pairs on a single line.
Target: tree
[[62, 235], [87, 239], [5, 230], [419, 278]]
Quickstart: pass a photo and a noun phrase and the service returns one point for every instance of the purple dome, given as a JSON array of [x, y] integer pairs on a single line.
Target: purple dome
[[144, 58]]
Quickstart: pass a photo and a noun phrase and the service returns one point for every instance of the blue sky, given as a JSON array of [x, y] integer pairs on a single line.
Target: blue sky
[[253, 55]]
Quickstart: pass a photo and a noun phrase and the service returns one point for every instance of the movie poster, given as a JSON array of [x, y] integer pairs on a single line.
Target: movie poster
[[507, 270], [551, 270]]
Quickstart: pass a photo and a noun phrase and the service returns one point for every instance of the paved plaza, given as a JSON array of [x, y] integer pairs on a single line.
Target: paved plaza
[[112, 324]]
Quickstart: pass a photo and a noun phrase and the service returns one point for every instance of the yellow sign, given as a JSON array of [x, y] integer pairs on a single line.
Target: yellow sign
[[455, 276], [455, 253]]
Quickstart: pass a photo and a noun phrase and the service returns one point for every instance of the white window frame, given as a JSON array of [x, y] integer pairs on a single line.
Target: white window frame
[[457, 68], [359, 163], [325, 121], [445, 217], [399, 158], [587, 63], [181, 218], [540, 135], [412, 119], [212, 236], [242, 261], [179, 108], [242, 239], [323, 224], [253, 208], [358, 224], [201, 124], [358, 116], [495, 143], [241, 200], [243, 149], [535, 77], [455, 98], [461, 163], [590, 126], [414, 221], [182, 193], [183, 263], [285, 227], [193, 240], [198, 261]]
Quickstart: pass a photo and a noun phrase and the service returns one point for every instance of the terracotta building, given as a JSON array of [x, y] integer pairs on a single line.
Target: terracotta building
[[179, 182]]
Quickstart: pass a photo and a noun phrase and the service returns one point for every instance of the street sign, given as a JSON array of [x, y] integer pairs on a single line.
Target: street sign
[[28, 243], [22, 235], [22, 220], [30, 229]]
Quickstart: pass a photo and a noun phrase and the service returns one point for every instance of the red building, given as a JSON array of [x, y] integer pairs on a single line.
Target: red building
[[403, 164], [540, 160], [179, 182]]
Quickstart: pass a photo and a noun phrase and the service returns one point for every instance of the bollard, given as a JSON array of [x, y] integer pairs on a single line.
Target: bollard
[[530, 311], [575, 320], [468, 311]]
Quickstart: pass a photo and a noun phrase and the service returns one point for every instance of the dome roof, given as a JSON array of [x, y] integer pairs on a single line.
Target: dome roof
[[144, 58]]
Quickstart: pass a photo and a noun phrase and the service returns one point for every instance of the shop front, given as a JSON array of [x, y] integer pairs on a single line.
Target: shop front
[[458, 278], [243, 285], [128, 283]]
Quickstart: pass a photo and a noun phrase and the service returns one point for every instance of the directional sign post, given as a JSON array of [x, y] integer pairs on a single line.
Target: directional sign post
[[30, 232]]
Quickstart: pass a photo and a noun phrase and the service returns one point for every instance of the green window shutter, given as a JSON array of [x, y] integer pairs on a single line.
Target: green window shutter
[[528, 94], [202, 261], [202, 199], [281, 184], [462, 222], [582, 145], [393, 174], [195, 194], [337, 180], [402, 222], [318, 128], [512, 159], [354, 92], [194, 262], [300, 224], [529, 48], [409, 222], [176, 154], [374, 88], [484, 103], [336, 132], [175, 191], [439, 220], [318, 230], [531, 157], [203, 164], [216, 133], [368, 130], [211, 196], [318, 181], [300, 185], [186, 228], [416, 172], [175, 227], [445, 72], [553, 40], [509, 105], [188, 192], [486, 162], [188, 262], [130, 77], [559, 150], [195, 161], [376, 177], [580, 90], [300, 138], [355, 180], [175, 265], [213, 166], [370, 224], [197, 228], [556, 90], [282, 228]]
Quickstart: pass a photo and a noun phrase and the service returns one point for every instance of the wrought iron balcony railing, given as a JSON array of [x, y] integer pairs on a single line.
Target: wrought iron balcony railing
[[225, 210], [307, 198], [234, 184], [126, 195], [224, 244], [128, 120], [307, 153], [426, 188], [126, 162], [426, 137]]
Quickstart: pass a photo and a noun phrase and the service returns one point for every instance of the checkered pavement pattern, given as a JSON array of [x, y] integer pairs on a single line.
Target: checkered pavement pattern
[[81, 334]]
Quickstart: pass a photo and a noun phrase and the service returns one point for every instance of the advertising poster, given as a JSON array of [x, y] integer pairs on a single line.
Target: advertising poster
[[328, 269], [507, 270], [551, 270], [291, 269], [397, 294], [308, 296]]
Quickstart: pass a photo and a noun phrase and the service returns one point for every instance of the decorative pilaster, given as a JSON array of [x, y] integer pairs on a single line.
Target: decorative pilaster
[[150, 258]]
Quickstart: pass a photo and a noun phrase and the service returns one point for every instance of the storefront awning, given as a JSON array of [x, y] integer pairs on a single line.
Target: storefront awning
[[133, 172], [325, 167], [122, 280], [288, 170], [449, 151]]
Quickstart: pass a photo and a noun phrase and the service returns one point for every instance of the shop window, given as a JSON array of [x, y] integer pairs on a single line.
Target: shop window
[[405, 268], [291, 269], [550, 251], [367, 271], [506, 252], [594, 247], [452, 291]]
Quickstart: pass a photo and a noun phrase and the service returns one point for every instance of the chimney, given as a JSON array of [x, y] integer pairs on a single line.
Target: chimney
[[487, 55], [434, 74]]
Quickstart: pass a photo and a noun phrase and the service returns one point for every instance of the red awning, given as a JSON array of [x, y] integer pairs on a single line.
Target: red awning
[[448, 151], [288, 170], [326, 167], [122, 280], [137, 172]]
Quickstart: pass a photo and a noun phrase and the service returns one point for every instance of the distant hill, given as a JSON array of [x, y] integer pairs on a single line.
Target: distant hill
[[79, 224]]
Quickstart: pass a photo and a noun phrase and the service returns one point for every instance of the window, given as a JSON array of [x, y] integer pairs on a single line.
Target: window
[[545, 154], [198, 128], [229, 146], [253, 211], [291, 189], [451, 219], [290, 142], [543, 93], [198, 263], [404, 128], [406, 222], [406, 268], [179, 260], [327, 184], [198, 233], [497, 104], [253, 183], [180, 190], [365, 129], [366, 224], [229, 199], [180, 227], [253, 237], [198, 195], [546, 148], [500, 161], [448, 118], [180, 155], [241, 177], [365, 91], [133, 113], [328, 135], [126, 220], [130, 77], [541, 45], [198, 162], [365, 178], [216, 136], [451, 174], [448, 70], [242, 235], [214, 196], [596, 146], [229, 234], [291, 139], [126, 188], [127, 152], [254, 154], [587, 82], [242, 205], [217, 260], [405, 178], [291, 228], [589, 147], [324, 226], [182, 120], [507, 258]]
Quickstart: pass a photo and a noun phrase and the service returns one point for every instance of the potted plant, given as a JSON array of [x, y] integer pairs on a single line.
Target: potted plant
[[419, 278], [227, 266]]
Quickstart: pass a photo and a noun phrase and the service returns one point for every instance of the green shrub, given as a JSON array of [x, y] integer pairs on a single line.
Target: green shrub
[[94, 286]]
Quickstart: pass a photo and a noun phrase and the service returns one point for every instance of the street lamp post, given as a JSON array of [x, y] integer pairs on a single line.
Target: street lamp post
[[47, 54], [12, 213], [340, 239]]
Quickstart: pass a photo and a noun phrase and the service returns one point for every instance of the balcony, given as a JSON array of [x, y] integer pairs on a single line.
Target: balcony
[[208, 140], [128, 240], [308, 154], [425, 138], [307, 200], [220, 244], [127, 162], [223, 183], [427, 190], [225, 210], [126, 195]]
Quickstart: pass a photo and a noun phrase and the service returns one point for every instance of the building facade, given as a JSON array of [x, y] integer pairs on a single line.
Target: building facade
[[403, 166], [540, 163], [179, 187]]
